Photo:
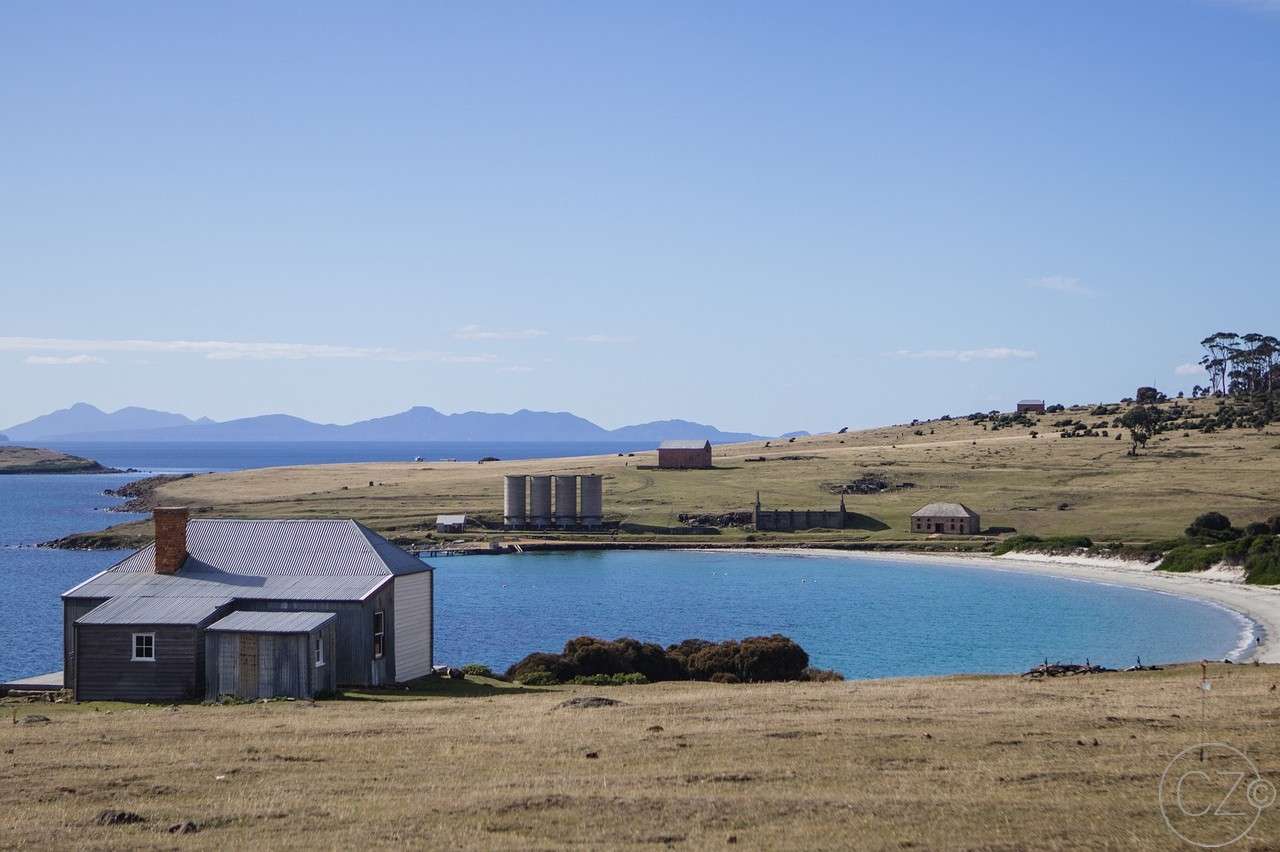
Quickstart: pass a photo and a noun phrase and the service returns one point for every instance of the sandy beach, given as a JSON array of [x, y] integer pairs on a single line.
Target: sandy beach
[[1260, 605]]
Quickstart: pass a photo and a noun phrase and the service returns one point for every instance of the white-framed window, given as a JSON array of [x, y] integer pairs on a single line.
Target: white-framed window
[[144, 647], [379, 634], [319, 650]]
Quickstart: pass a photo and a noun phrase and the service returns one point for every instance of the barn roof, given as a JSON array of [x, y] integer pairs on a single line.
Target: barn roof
[[154, 610], [451, 520], [1031, 402], [272, 622], [295, 548], [684, 445], [945, 510]]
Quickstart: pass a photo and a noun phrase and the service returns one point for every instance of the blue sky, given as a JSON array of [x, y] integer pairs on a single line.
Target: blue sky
[[759, 215]]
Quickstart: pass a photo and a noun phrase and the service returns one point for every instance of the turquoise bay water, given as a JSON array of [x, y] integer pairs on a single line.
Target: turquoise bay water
[[866, 617]]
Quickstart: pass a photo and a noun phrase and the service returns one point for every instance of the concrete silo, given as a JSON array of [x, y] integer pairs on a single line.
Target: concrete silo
[[592, 500], [566, 501], [513, 504], [540, 501]]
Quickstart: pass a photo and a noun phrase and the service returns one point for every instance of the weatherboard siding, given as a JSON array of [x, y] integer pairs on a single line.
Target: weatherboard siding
[[414, 628], [286, 667], [353, 658], [73, 608], [105, 670]]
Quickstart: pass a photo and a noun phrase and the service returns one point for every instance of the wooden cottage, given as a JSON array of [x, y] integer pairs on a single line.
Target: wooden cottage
[[954, 518], [684, 455], [159, 624]]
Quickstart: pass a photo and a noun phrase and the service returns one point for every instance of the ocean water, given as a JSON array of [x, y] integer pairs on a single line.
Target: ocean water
[[167, 456], [864, 617]]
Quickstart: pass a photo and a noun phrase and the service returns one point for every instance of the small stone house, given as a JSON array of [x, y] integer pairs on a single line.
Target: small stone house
[[949, 518], [1031, 406]]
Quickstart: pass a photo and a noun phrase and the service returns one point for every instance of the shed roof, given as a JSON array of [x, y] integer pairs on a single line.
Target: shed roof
[[272, 622], [684, 445], [1031, 402], [945, 510], [451, 520], [154, 610]]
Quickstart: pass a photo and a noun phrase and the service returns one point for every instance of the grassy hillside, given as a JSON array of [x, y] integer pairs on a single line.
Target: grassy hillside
[[1046, 485], [987, 763], [15, 460]]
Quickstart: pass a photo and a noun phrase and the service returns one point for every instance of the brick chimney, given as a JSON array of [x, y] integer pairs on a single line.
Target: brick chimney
[[171, 538]]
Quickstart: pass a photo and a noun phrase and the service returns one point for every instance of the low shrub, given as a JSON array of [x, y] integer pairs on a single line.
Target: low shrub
[[538, 677], [817, 675], [1035, 544], [633, 678], [600, 662], [478, 670], [725, 677], [1191, 557]]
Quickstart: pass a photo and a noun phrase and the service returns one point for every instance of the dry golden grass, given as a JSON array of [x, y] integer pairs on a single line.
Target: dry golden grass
[[1012, 479], [951, 763]]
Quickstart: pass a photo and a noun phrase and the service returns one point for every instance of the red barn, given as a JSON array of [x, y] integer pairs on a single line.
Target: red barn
[[684, 455]]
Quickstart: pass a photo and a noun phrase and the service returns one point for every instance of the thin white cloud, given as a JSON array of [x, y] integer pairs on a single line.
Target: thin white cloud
[[1062, 284], [1188, 369], [475, 332], [989, 353], [515, 368], [59, 360], [601, 339], [223, 350]]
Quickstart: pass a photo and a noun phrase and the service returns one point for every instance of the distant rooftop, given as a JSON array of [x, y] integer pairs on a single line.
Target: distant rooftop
[[684, 445], [451, 520], [945, 510], [1031, 402]]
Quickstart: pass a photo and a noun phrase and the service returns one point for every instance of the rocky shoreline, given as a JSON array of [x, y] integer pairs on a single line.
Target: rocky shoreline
[[139, 495]]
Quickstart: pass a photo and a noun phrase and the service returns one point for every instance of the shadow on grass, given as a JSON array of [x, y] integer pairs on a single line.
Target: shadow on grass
[[445, 688]]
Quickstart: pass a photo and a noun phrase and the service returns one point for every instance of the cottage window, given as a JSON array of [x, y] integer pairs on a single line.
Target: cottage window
[[379, 635], [144, 647], [319, 651]]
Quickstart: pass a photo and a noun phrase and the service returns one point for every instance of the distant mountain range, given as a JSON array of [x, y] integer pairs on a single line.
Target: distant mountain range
[[84, 422]]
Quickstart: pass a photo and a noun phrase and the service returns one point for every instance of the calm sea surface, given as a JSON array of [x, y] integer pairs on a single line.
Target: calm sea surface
[[865, 617]]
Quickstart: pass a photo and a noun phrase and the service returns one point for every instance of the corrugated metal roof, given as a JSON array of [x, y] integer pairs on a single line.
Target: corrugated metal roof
[[312, 548], [945, 510], [684, 445], [450, 519], [217, 584], [272, 622], [1031, 402], [154, 610]]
